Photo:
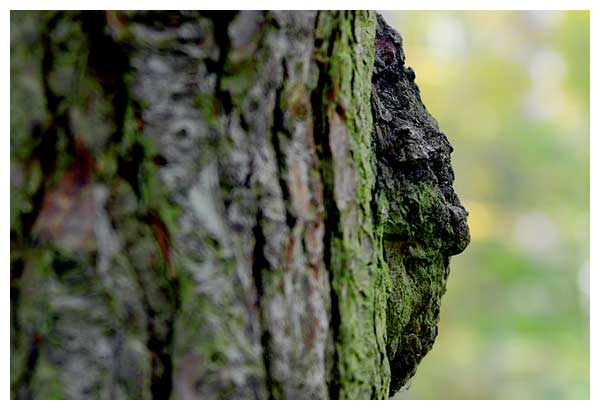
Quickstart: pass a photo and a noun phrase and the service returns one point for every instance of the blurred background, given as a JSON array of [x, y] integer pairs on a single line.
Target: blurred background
[[511, 91]]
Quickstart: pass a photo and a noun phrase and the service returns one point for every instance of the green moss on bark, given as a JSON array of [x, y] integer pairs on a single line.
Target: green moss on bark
[[357, 270]]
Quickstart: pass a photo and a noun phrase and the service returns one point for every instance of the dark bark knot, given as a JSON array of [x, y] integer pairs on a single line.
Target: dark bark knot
[[422, 218]]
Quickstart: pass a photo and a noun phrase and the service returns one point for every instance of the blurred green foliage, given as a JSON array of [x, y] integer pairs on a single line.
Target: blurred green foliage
[[511, 91]]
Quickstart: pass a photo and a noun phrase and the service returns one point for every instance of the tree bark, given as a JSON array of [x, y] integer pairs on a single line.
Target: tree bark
[[222, 205]]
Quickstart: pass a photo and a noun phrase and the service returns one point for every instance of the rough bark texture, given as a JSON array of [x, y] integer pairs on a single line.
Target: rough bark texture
[[222, 205]]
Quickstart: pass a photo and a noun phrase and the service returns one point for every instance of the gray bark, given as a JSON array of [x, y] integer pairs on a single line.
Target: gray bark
[[222, 205]]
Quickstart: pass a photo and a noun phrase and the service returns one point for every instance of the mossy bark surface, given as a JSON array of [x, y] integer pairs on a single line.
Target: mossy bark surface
[[222, 205]]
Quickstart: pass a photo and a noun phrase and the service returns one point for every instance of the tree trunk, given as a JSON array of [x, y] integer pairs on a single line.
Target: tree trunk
[[222, 205]]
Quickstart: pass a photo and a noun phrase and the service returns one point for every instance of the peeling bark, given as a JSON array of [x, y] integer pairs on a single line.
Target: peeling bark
[[222, 205]]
